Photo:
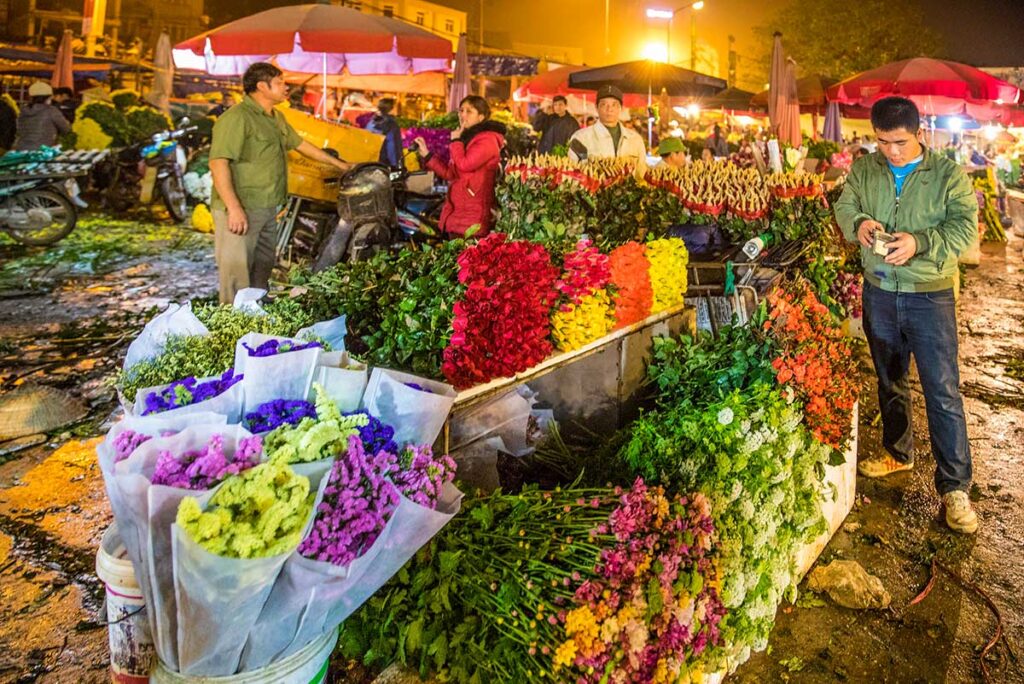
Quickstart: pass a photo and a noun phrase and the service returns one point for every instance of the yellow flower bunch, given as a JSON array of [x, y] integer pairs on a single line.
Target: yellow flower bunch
[[668, 258], [580, 324], [10, 103], [89, 135], [202, 219]]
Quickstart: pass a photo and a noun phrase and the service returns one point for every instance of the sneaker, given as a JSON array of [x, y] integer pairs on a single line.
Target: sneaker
[[960, 515], [880, 466]]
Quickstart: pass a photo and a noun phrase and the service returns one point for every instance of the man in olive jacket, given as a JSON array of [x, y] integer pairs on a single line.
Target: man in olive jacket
[[924, 205]]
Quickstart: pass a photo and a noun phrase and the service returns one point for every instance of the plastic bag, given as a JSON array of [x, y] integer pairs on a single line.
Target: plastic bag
[[282, 376], [248, 300], [174, 320], [146, 527], [228, 403], [219, 599], [343, 379], [417, 416], [312, 597], [332, 332]]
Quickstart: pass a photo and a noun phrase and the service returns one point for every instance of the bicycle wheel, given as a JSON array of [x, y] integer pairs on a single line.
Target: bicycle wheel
[[40, 217], [174, 196]]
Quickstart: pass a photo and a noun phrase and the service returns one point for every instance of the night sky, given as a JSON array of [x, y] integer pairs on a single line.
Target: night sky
[[980, 32]]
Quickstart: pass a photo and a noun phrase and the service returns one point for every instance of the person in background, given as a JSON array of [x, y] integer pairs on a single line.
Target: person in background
[[925, 205], [608, 137], [859, 151], [383, 123], [716, 143], [248, 161], [590, 121], [673, 153], [221, 106], [555, 127], [64, 100], [472, 171], [40, 123]]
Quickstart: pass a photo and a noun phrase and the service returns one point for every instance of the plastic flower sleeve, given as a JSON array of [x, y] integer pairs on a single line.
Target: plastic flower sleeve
[[417, 414], [219, 598], [248, 300], [286, 375], [174, 320], [228, 403], [149, 512], [332, 332], [343, 380], [311, 598]]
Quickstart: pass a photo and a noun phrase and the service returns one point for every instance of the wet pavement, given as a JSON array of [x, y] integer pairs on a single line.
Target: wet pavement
[[69, 331]]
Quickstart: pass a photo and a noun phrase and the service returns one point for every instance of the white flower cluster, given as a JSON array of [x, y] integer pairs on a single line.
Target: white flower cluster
[[199, 187]]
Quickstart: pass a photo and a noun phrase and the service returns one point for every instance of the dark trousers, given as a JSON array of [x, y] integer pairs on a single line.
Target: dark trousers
[[923, 324]]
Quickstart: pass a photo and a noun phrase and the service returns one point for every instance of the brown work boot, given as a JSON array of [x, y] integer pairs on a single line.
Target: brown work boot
[[880, 466], [960, 515]]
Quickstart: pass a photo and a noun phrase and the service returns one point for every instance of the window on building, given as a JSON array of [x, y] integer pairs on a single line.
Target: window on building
[[420, 18], [449, 26], [389, 10]]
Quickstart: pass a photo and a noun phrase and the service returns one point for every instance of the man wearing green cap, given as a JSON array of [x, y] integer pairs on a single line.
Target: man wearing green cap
[[608, 137], [672, 153]]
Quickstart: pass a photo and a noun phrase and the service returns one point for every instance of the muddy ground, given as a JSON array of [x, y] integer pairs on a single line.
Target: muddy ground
[[66, 327]]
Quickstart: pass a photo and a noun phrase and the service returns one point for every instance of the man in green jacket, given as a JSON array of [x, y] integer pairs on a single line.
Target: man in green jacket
[[913, 213], [248, 162]]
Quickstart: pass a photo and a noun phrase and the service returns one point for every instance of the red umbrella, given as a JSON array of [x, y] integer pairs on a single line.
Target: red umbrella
[[316, 39], [63, 67], [923, 76]]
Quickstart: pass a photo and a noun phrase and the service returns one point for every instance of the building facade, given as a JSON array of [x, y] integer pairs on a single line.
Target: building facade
[[438, 19]]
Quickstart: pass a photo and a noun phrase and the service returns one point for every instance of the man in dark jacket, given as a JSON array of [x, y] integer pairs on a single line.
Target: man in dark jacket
[[40, 123], [384, 124], [555, 127]]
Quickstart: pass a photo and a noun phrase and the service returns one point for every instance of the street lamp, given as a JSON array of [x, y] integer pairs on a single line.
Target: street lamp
[[653, 13]]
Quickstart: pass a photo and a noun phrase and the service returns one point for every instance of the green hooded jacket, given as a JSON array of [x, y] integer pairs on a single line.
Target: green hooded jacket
[[937, 206]]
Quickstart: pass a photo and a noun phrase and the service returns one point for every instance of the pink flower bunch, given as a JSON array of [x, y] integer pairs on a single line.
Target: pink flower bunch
[[205, 468], [584, 271], [421, 476], [126, 442]]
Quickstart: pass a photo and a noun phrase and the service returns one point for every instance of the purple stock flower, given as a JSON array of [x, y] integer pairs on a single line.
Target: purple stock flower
[[189, 391], [418, 388], [274, 414], [358, 502], [275, 347], [421, 477], [376, 436], [204, 468], [126, 442]]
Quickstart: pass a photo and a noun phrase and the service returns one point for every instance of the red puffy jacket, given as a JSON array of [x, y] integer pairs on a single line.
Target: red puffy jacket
[[471, 174]]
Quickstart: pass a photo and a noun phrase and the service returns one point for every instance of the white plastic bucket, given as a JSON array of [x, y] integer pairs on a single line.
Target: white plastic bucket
[[132, 655], [308, 666]]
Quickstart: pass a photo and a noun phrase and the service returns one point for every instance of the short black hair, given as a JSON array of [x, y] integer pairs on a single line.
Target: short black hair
[[260, 72], [891, 113], [559, 98], [63, 90], [478, 103], [385, 105], [40, 99]]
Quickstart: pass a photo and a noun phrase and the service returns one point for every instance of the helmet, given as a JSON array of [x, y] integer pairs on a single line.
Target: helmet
[[40, 89]]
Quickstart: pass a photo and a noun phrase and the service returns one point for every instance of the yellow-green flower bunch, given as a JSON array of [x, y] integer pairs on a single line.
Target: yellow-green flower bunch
[[258, 513], [313, 440], [668, 258], [576, 325]]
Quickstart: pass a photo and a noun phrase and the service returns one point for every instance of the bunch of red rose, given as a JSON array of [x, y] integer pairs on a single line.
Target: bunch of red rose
[[814, 359], [502, 324], [631, 281]]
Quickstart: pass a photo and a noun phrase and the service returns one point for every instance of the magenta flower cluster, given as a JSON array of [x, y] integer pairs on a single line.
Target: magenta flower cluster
[[421, 476], [127, 442], [206, 467]]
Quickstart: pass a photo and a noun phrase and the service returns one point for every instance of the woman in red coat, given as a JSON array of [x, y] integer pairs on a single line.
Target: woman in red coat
[[475, 157]]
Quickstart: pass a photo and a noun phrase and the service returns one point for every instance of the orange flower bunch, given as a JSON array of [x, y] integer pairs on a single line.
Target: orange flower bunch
[[815, 360], [631, 279]]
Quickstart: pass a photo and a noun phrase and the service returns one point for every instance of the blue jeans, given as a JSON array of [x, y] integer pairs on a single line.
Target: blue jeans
[[923, 324]]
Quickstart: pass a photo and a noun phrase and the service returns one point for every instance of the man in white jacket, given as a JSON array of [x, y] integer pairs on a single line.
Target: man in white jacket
[[608, 137]]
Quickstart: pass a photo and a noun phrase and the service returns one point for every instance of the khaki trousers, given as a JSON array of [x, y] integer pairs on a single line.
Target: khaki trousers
[[244, 260]]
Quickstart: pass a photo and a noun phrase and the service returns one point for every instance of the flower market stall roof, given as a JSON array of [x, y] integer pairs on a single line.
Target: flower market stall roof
[[556, 82], [732, 99], [316, 39], [646, 76], [502, 65]]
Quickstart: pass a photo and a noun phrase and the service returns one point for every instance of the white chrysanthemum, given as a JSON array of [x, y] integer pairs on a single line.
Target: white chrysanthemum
[[744, 427], [726, 416]]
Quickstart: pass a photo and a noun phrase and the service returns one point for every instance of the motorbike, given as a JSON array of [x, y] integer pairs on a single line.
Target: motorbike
[[167, 153], [34, 205]]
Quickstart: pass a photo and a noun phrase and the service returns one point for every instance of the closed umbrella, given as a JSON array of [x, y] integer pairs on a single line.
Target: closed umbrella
[[63, 67], [776, 78], [163, 74], [833, 127], [460, 77]]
